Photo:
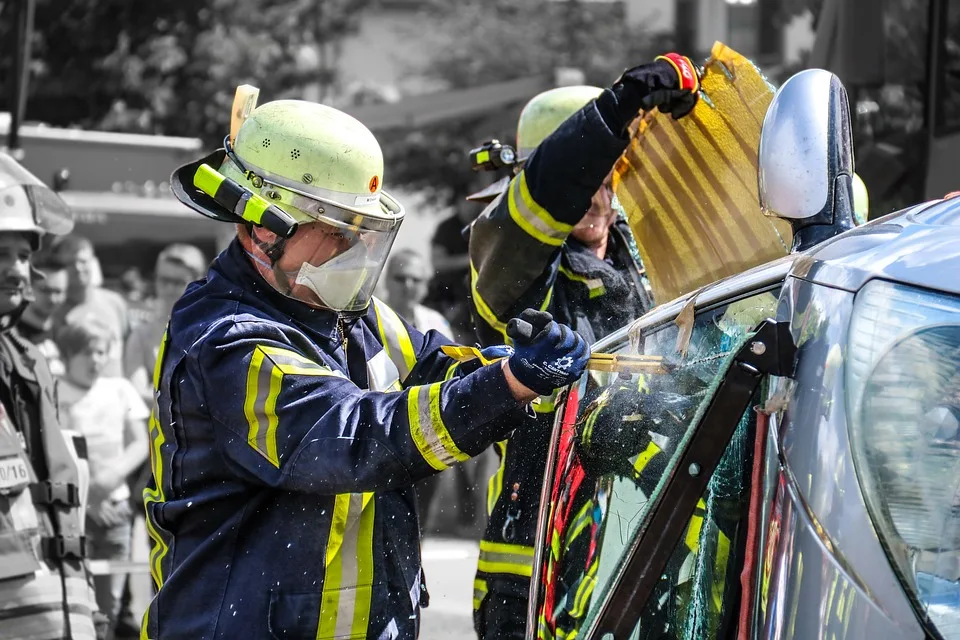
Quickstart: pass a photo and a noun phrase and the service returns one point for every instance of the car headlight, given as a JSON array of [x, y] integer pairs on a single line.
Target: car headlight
[[903, 390]]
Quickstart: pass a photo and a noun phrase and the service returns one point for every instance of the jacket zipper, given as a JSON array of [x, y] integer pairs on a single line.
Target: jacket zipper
[[343, 335]]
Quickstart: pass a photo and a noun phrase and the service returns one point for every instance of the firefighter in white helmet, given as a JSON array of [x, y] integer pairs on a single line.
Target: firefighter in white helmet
[[44, 587], [295, 411]]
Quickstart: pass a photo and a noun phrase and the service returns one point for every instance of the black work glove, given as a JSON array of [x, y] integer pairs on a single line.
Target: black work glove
[[547, 355], [670, 83]]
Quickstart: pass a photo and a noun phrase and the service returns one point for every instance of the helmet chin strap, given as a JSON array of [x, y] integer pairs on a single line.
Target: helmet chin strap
[[273, 250]]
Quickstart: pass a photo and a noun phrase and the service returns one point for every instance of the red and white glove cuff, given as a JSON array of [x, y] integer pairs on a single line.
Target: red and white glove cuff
[[686, 71]]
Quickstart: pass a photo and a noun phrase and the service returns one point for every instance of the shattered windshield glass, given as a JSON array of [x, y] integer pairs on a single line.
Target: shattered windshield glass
[[618, 440]]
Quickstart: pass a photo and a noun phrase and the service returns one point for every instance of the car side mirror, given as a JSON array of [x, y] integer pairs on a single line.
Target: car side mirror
[[806, 158]]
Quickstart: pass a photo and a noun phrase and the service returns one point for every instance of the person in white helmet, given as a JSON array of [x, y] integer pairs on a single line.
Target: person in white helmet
[[44, 586], [295, 411]]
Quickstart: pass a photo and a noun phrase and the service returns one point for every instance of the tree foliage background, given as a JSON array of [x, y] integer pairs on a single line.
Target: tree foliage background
[[171, 67], [479, 42]]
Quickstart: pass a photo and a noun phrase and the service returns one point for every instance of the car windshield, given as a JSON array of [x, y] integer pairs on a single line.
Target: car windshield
[[617, 443]]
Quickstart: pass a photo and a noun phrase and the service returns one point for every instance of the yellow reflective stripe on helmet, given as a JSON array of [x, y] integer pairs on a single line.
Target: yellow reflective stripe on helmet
[[348, 571], [594, 285], [513, 559], [533, 218], [495, 484], [264, 380], [483, 308], [150, 496], [479, 592], [646, 456], [427, 429], [395, 338]]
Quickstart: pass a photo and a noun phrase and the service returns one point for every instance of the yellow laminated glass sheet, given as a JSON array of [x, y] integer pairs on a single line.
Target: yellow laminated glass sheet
[[689, 186]]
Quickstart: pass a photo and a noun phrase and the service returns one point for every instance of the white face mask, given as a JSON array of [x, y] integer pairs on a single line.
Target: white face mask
[[338, 281]]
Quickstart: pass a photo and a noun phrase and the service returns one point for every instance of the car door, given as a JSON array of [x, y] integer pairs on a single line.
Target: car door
[[620, 438]]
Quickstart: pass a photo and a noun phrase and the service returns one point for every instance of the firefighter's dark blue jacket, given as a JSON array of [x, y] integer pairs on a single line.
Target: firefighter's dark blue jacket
[[522, 255], [285, 442]]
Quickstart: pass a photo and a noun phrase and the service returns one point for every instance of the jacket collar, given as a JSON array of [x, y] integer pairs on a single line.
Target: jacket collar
[[233, 265]]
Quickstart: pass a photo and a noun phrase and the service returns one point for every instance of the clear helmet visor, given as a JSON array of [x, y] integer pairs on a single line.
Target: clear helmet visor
[[26, 204], [340, 266]]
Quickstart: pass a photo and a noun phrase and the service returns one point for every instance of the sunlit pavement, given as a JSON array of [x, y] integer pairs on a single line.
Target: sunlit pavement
[[449, 566]]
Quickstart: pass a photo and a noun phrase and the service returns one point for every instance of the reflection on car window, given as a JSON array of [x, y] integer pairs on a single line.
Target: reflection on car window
[[615, 446]]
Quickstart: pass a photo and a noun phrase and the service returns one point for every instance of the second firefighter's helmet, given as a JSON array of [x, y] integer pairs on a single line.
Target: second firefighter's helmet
[[548, 110], [540, 117]]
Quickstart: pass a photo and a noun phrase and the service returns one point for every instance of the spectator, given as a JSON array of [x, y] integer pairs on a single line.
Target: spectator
[[112, 417], [177, 266], [133, 288], [407, 277], [132, 285], [49, 294], [87, 298]]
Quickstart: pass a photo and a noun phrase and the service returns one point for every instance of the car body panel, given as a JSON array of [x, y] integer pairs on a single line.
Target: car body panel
[[822, 571], [916, 247], [813, 447]]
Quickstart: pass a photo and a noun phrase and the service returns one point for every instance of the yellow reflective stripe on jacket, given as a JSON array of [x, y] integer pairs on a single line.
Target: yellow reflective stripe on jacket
[[157, 440], [692, 539], [513, 559], [495, 484], [451, 371], [395, 338], [533, 218], [483, 309], [486, 313], [546, 404], [581, 599], [265, 374], [594, 285], [720, 568], [583, 518], [427, 430], [646, 456], [479, 592], [348, 576]]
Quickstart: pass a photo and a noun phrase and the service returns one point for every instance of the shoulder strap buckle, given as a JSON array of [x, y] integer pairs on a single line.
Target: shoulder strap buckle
[[60, 547], [48, 493]]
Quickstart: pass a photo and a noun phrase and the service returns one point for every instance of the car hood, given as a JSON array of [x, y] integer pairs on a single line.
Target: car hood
[[919, 246]]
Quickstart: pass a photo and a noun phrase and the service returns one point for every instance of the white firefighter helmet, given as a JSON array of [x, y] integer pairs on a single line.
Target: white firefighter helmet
[[29, 206]]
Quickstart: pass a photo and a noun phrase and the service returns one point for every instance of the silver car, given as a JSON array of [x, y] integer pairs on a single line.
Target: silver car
[[777, 455]]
